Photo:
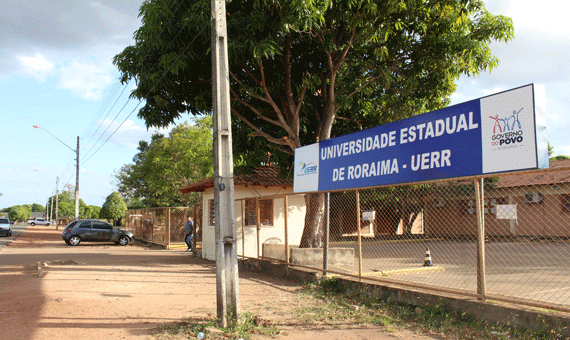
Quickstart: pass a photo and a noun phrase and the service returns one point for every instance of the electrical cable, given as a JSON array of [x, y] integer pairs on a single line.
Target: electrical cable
[[125, 86], [140, 101]]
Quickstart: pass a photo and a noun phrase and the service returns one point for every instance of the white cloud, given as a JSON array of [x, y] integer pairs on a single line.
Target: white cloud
[[85, 80], [36, 66]]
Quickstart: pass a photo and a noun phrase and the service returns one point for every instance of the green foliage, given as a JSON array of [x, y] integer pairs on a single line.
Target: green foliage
[[66, 205], [166, 164], [551, 154], [19, 213], [91, 211], [114, 207], [338, 304], [246, 328], [38, 208], [302, 69]]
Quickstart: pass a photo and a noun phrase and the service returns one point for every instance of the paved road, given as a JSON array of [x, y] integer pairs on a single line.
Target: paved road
[[17, 229], [534, 270]]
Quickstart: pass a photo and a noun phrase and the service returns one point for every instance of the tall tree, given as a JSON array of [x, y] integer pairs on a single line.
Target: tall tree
[[38, 208], [114, 208], [19, 213], [301, 68], [66, 205], [168, 163]]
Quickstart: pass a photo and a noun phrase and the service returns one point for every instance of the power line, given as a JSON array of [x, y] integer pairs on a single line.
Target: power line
[[139, 63], [156, 83]]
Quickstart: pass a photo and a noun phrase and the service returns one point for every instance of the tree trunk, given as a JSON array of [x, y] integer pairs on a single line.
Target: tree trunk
[[314, 220]]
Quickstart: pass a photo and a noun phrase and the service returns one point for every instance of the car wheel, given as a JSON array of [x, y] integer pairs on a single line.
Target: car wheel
[[68, 243], [123, 240], [33, 224], [74, 240]]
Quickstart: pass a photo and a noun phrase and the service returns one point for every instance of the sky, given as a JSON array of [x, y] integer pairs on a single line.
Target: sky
[[56, 72]]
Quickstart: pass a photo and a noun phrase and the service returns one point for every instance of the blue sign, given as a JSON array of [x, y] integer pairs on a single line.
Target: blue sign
[[493, 134]]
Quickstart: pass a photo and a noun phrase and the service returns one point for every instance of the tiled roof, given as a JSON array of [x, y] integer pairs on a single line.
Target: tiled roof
[[266, 176], [549, 176]]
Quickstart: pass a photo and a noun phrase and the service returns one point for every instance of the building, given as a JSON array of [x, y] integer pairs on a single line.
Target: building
[[258, 193]]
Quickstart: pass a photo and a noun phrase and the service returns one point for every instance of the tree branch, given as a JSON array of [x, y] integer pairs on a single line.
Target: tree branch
[[281, 141]]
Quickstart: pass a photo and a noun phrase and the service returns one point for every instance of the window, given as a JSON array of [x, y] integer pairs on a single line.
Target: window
[[265, 212], [565, 203], [490, 205], [101, 225], [212, 213], [468, 207], [85, 225]]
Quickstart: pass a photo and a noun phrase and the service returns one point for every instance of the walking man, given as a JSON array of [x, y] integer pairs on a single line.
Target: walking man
[[188, 228]]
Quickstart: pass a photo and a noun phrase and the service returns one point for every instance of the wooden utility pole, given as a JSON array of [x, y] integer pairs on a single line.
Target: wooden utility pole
[[227, 288]]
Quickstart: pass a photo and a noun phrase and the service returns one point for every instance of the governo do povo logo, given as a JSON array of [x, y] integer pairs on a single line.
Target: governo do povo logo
[[307, 168], [507, 130]]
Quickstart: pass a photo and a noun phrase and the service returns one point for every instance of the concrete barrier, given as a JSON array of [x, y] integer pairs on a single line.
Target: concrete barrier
[[274, 251], [309, 256], [314, 256]]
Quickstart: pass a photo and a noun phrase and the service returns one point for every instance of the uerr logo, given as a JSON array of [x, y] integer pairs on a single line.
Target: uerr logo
[[307, 169], [510, 129]]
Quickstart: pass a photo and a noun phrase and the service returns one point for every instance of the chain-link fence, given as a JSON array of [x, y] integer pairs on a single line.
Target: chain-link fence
[[428, 236], [163, 226]]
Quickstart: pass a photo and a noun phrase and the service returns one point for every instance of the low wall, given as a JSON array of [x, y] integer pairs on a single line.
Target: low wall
[[508, 315], [309, 256]]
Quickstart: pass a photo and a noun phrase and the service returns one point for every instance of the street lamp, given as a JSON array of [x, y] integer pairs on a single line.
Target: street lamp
[[76, 169], [56, 200]]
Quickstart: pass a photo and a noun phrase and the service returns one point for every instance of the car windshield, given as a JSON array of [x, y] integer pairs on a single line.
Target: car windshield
[[4, 221]]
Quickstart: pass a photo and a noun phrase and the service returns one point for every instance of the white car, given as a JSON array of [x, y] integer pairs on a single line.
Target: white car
[[38, 221], [5, 227]]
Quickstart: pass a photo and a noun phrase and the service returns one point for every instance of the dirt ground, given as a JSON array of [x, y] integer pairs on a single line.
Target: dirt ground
[[49, 290]]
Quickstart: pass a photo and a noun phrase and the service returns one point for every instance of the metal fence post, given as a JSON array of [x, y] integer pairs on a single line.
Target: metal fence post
[[258, 222], [286, 227], [168, 228], [359, 235], [326, 243], [481, 289]]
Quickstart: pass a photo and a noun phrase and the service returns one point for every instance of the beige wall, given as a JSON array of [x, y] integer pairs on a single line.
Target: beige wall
[[533, 219], [275, 233]]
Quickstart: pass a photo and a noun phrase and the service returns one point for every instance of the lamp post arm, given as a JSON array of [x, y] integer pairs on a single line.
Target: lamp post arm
[[39, 127]]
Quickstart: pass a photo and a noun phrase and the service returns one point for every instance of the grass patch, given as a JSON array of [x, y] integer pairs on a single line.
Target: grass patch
[[329, 304], [339, 303], [247, 326]]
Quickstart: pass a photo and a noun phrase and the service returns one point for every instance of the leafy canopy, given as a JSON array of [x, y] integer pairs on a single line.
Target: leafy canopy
[[305, 71], [167, 163], [19, 213], [300, 70], [66, 205], [114, 207]]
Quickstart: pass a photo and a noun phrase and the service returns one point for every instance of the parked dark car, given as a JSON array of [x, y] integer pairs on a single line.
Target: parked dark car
[[94, 231]]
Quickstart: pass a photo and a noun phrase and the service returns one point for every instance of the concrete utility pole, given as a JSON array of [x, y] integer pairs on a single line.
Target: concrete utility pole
[[227, 281], [76, 169], [51, 210]]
